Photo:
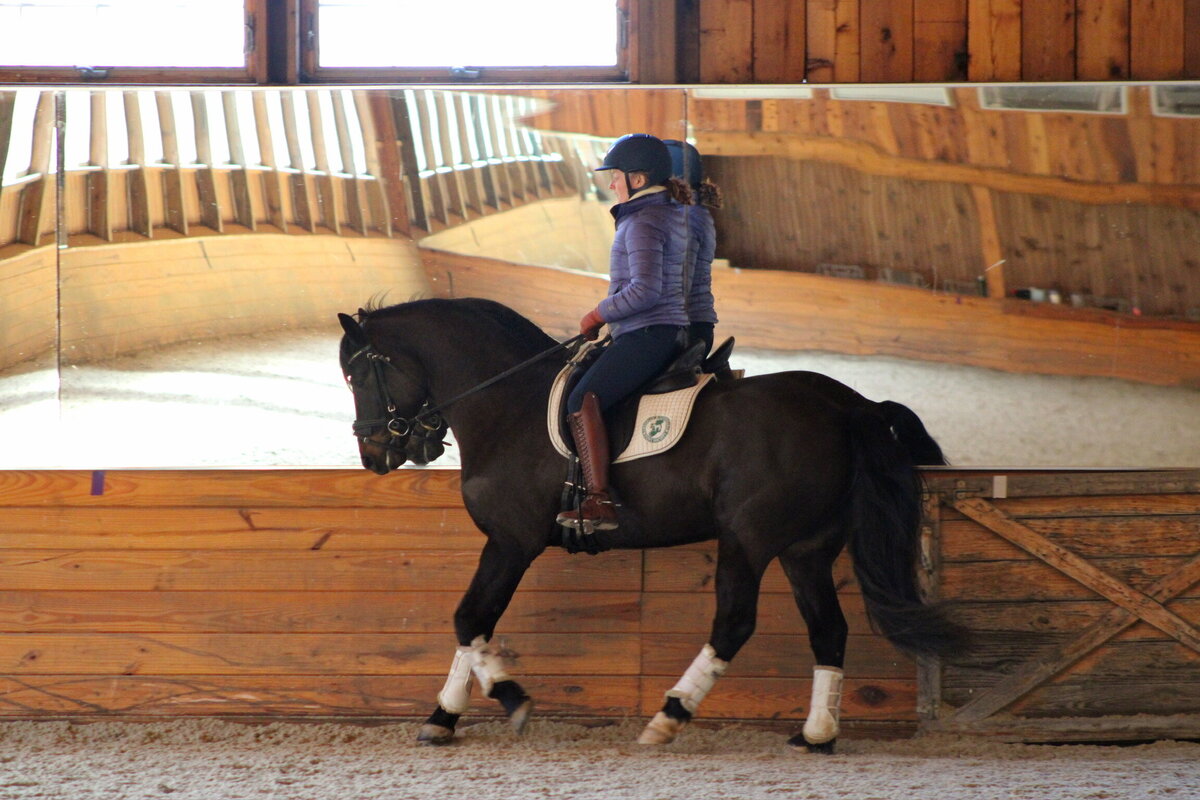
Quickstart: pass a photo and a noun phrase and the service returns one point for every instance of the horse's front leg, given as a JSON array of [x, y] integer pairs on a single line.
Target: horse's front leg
[[737, 586], [496, 578]]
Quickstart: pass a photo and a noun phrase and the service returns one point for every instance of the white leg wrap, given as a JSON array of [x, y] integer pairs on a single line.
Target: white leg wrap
[[699, 679], [487, 664], [824, 713], [455, 696]]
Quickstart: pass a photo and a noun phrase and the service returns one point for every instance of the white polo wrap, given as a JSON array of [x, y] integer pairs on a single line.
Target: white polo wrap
[[698, 681], [825, 711], [455, 696], [487, 664]]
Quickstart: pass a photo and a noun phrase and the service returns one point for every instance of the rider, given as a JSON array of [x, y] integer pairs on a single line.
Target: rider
[[645, 309], [702, 240]]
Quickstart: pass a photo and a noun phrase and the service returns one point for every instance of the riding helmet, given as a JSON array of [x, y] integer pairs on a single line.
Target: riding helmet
[[640, 152], [685, 162]]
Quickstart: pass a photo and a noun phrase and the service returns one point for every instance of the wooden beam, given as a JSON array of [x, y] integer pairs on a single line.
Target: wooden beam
[[31, 205], [456, 190], [239, 179], [137, 188], [301, 204], [383, 164], [272, 178], [98, 200], [206, 174], [872, 160], [8, 102], [328, 207], [352, 187], [172, 176]]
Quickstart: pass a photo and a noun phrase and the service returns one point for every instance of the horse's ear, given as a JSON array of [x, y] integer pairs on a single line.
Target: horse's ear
[[352, 328]]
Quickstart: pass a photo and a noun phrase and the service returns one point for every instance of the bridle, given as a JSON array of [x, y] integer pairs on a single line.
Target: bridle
[[428, 422], [425, 424]]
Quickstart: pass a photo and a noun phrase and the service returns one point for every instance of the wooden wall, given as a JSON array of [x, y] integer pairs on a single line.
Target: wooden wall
[[1105, 206], [1084, 593], [782, 310], [331, 592], [890, 41]]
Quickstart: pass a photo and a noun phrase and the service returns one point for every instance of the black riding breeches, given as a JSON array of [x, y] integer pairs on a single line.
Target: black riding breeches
[[631, 360]]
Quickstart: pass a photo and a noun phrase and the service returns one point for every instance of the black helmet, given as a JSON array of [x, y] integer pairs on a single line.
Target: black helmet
[[685, 162], [640, 152]]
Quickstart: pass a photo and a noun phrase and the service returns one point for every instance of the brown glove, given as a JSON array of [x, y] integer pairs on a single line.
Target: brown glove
[[589, 326]]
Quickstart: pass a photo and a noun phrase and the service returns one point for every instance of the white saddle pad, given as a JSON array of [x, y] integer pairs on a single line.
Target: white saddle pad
[[661, 419]]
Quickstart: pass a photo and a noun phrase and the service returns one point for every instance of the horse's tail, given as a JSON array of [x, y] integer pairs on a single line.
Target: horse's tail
[[884, 538], [910, 432]]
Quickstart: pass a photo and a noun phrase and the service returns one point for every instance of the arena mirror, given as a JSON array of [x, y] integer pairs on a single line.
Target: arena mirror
[[1017, 263]]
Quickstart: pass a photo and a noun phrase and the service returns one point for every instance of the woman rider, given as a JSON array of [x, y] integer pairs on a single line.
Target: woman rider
[[645, 309], [702, 240]]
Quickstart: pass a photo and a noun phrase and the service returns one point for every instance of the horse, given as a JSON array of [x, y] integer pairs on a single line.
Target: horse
[[792, 466]]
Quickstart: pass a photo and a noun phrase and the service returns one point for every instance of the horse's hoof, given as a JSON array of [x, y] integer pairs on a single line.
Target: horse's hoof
[[661, 730], [520, 716], [435, 734], [824, 748]]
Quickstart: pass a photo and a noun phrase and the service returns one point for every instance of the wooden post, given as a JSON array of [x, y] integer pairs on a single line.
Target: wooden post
[[989, 238], [206, 175], [239, 180], [172, 176], [31, 206], [327, 201], [271, 177], [301, 206], [137, 189], [377, 144], [352, 185], [98, 201]]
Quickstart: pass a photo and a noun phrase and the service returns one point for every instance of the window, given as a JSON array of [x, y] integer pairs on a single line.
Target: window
[[1096, 99], [134, 40], [467, 40], [885, 93], [1181, 100]]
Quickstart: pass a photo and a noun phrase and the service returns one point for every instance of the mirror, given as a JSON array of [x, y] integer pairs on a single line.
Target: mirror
[[1017, 263]]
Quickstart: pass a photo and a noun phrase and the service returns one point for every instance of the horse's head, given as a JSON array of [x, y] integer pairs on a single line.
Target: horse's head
[[390, 398]]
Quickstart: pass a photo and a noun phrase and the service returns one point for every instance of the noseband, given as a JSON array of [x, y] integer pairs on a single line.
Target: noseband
[[425, 424]]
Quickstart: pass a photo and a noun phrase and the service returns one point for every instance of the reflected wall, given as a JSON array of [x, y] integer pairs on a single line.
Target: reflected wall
[[141, 230]]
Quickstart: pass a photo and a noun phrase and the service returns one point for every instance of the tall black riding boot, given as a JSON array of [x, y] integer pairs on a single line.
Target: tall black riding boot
[[596, 512]]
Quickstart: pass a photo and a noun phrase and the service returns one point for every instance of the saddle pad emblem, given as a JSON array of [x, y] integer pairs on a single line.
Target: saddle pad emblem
[[656, 428], [661, 419]]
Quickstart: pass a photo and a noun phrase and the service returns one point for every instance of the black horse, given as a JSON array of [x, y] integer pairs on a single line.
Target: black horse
[[792, 465]]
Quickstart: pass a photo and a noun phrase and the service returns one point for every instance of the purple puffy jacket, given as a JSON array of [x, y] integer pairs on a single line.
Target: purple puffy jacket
[[645, 278]]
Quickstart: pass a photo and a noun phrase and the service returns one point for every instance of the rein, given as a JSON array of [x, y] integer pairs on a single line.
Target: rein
[[429, 419]]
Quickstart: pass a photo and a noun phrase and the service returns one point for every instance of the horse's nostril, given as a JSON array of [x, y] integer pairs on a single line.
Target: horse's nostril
[[368, 462]]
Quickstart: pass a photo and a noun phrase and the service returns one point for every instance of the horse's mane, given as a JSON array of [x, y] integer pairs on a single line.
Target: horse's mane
[[521, 331]]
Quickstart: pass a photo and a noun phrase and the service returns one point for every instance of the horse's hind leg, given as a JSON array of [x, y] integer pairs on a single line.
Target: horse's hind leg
[[496, 579], [737, 583], [811, 576]]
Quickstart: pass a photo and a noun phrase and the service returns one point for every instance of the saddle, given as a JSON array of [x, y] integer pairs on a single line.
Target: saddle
[[653, 418]]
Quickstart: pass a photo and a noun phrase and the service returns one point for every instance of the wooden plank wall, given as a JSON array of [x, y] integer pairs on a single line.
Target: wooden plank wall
[[900, 41], [331, 592], [1106, 206], [781, 310], [1084, 593]]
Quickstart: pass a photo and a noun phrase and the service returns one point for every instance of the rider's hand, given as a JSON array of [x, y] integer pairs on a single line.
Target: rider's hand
[[589, 326]]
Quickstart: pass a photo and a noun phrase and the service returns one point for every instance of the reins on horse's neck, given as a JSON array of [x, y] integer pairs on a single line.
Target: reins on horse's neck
[[569, 343]]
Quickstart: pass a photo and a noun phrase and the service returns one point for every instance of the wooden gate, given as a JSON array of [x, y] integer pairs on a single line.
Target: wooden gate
[[1082, 590]]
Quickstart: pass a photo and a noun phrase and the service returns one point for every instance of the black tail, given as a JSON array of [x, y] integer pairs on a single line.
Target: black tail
[[910, 432], [884, 540]]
